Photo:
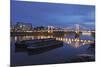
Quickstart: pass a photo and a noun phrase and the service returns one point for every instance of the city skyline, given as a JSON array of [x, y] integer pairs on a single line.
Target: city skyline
[[52, 32], [45, 14]]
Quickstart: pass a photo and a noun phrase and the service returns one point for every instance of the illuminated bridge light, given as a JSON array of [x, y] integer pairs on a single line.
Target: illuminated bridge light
[[48, 31], [69, 39], [89, 41], [57, 38], [42, 37], [48, 36], [72, 40], [66, 39], [78, 40], [61, 39], [15, 38], [83, 44], [81, 40]]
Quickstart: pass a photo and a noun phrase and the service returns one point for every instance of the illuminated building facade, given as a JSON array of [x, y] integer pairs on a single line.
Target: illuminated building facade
[[20, 26]]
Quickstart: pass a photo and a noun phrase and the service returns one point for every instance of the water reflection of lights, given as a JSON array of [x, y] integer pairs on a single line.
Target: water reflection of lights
[[75, 42], [15, 38]]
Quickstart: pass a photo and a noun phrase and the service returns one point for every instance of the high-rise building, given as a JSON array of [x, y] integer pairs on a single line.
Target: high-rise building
[[20, 26]]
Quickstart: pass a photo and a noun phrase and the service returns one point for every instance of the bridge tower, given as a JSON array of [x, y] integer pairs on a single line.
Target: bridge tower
[[77, 30], [50, 29]]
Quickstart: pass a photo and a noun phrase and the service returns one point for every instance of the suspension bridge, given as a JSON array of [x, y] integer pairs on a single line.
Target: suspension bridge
[[76, 28]]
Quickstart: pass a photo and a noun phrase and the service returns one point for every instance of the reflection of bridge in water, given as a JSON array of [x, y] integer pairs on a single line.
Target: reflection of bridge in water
[[75, 42]]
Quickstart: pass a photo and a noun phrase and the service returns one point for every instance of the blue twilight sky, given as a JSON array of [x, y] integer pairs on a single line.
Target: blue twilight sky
[[62, 15]]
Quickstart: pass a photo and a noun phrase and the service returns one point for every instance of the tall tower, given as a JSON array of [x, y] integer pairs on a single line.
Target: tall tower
[[77, 28], [77, 31]]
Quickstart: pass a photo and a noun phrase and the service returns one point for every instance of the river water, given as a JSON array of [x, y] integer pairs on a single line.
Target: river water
[[69, 52]]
